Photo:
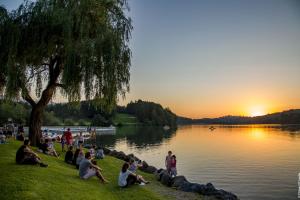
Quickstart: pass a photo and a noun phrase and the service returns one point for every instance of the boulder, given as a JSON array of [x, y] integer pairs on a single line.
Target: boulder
[[122, 156], [166, 178], [177, 181], [158, 174], [145, 164], [210, 189], [185, 186], [149, 169], [224, 195], [106, 151]]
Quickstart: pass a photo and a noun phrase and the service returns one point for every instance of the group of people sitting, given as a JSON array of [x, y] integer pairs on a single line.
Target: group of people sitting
[[86, 163], [128, 174], [47, 147]]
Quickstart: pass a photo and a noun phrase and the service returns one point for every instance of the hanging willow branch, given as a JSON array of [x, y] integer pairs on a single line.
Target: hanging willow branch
[[78, 46]]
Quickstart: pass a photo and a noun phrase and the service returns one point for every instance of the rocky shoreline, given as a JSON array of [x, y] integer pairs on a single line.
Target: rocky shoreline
[[178, 182]]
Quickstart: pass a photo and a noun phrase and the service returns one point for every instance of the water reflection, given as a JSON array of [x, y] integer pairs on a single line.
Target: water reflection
[[137, 136], [254, 161]]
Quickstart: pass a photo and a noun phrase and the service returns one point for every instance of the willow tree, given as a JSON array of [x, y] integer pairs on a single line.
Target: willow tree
[[74, 47]]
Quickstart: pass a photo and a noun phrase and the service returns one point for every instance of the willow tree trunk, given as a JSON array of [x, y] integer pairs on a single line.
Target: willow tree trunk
[[35, 125]]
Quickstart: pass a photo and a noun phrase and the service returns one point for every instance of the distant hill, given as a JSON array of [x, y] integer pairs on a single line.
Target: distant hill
[[285, 117]]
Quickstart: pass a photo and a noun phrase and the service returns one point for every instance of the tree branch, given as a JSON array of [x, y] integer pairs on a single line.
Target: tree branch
[[26, 96], [59, 85], [55, 69]]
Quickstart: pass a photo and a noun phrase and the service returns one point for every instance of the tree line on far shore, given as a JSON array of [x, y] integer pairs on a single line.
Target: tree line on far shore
[[88, 113], [285, 117]]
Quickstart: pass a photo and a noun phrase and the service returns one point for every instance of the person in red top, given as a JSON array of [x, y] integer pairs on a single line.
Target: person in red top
[[173, 170], [69, 138]]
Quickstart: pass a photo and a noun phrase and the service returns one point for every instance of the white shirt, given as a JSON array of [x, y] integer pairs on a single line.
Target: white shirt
[[123, 178]]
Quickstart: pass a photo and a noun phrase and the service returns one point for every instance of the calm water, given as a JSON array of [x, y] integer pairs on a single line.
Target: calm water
[[254, 162]]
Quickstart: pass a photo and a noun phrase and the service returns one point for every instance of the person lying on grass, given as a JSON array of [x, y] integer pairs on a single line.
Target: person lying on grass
[[25, 155], [87, 169], [127, 178]]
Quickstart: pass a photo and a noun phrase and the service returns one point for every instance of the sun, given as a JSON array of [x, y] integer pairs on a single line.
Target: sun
[[257, 111]]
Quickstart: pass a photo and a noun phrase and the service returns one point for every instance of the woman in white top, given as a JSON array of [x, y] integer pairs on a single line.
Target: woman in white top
[[127, 178]]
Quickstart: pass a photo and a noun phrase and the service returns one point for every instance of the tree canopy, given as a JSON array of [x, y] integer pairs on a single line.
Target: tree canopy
[[79, 46]]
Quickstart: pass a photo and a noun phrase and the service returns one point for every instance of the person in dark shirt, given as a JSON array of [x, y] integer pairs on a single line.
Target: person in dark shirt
[[75, 156], [25, 155], [69, 155], [44, 146]]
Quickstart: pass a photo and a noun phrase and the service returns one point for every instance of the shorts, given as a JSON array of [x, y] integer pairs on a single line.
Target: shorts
[[91, 172], [131, 180]]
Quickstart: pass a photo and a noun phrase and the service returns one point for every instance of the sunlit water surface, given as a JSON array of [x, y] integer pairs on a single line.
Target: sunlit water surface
[[254, 162]]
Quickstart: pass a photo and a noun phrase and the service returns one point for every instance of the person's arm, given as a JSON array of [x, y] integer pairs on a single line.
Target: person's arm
[[28, 150], [166, 162], [96, 167]]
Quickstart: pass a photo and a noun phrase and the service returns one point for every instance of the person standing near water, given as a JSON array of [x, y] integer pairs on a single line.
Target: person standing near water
[[168, 161], [173, 166]]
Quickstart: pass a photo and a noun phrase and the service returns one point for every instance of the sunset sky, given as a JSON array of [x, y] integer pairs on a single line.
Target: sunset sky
[[213, 58]]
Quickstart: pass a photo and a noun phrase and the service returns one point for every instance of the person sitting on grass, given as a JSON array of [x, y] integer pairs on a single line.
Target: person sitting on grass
[[133, 166], [100, 153], [75, 156], [20, 136], [25, 155], [51, 148], [80, 157], [93, 150], [87, 169], [69, 155], [127, 178], [48, 148]]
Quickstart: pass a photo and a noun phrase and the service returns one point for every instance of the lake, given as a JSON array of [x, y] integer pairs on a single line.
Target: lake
[[255, 162]]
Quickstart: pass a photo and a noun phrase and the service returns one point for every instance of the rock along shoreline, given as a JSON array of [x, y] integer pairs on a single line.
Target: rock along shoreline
[[178, 182]]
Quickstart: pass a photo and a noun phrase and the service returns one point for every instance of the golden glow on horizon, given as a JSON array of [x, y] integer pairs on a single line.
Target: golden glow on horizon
[[257, 111]]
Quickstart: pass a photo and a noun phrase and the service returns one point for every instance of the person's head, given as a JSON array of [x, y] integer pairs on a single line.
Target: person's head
[[88, 155], [68, 129], [46, 140], [173, 157], [70, 148], [26, 142], [125, 167], [53, 139], [77, 151], [169, 153], [94, 146]]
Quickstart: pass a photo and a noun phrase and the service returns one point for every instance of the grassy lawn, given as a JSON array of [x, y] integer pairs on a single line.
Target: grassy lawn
[[125, 119], [61, 181]]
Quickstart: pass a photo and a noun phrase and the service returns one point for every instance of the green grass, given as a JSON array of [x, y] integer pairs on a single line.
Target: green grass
[[61, 181], [125, 119]]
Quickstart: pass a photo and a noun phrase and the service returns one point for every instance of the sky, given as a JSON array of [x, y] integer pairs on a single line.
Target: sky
[[213, 58]]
